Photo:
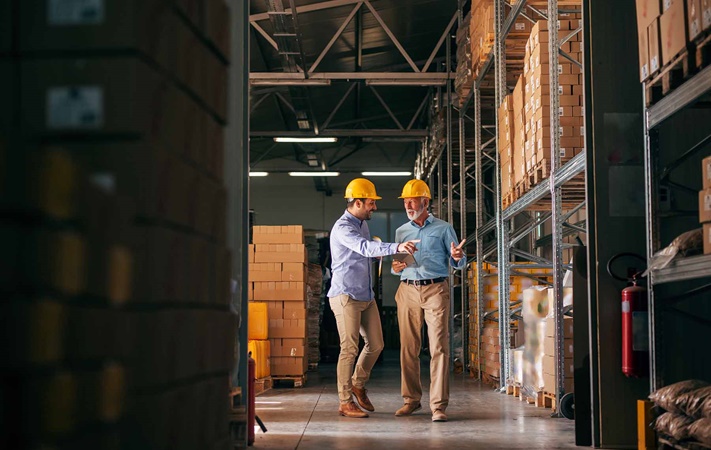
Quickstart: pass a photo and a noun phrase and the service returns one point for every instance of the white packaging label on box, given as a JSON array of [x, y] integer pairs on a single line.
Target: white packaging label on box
[[654, 63], [75, 12], [695, 28], [645, 71], [560, 69], [562, 153], [520, 26], [707, 202], [706, 18], [79, 107], [667, 4], [582, 131], [560, 131], [560, 111], [560, 90]]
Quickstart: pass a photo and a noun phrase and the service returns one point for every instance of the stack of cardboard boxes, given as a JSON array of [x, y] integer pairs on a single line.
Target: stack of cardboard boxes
[[664, 27], [277, 275], [481, 30], [549, 360], [490, 346], [464, 78], [506, 141], [116, 173], [705, 204], [537, 97]]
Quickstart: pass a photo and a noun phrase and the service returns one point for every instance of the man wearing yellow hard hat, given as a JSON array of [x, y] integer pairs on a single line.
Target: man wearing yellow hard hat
[[351, 296], [424, 294]]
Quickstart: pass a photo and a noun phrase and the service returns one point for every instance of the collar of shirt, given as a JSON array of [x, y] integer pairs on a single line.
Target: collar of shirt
[[351, 218]]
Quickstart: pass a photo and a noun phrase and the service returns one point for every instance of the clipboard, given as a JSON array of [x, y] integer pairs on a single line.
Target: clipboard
[[405, 257]]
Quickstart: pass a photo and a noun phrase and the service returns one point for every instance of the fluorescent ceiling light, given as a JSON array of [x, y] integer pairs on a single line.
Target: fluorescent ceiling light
[[314, 174], [289, 82], [305, 139], [258, 174], [386, 174]]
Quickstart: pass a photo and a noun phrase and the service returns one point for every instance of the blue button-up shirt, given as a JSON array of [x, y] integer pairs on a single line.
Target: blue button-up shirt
[[351, 250], [432, 255]]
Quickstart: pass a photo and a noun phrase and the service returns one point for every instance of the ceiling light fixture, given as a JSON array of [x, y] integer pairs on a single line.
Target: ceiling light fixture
[[314, 174], [405, 82], [305, 139], [258, 174], [289, 82], [386, 174]]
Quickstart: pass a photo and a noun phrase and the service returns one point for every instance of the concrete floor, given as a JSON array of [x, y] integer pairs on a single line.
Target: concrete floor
[[479, 418]]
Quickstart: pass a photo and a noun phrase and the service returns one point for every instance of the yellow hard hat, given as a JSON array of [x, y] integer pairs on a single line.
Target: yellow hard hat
[[361, 188], [415, 188]]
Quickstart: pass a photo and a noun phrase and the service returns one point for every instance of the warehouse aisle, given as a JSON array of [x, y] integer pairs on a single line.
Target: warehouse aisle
[[307, 418]]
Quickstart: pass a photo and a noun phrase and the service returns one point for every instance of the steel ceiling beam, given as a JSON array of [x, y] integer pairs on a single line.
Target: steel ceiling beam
[[335, 37], [405, 77], [308, 8], [392, 36]]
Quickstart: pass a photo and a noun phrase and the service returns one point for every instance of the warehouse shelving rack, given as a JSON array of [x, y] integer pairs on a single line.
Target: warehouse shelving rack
[[502, 224], [685, 269]]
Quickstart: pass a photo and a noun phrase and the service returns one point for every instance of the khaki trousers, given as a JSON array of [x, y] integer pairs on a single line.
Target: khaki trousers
[[432, 303], [356, 318]]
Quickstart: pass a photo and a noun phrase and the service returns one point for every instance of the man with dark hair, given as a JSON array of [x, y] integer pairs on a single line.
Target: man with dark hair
[[351, 295]]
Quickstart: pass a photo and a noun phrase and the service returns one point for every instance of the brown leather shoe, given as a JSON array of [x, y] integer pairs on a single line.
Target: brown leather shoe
[[408, 408], [361, 396], [439, 416], [351, 410]]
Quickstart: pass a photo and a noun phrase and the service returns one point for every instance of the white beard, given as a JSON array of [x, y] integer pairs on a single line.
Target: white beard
[[412, 215]]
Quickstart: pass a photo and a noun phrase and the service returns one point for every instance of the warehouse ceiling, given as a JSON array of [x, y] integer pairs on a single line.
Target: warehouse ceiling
[[363, 71]]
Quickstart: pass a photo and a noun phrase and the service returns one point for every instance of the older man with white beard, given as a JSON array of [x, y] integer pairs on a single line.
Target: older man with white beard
[[424, 293]]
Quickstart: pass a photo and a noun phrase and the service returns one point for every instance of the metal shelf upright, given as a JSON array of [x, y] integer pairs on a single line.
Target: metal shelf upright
[[502, 223], [691, 268]]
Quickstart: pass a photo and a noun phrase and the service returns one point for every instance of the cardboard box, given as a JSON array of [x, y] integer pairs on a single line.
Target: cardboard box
[[567, 327], [288, 347], [672, 24], [287, 328], [250, 253], [549, 384], [294, 310], [654, 47], [549, 346], [265, 272], [705, 206], [280, 253], [707, 238], [693, 13], [647, 11], [643, 54], [149, 26], [288, 234], [549, 363], [706, 172], [289, 366], [293, 272], [286, 291], [705, 14]]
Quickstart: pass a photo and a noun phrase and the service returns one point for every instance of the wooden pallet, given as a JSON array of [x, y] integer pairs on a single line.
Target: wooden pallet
[[513, 389], [703, 51], [507, 199], [294, 381], [671, 76], [549, 401], [262, 385]]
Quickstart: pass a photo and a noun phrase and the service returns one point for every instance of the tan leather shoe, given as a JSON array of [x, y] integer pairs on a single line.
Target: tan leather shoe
[[408, 408], [351, 410], [439, 416], [361, 396]]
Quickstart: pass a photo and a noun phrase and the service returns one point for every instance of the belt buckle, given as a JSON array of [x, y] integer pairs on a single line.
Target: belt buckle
[[417, 283]]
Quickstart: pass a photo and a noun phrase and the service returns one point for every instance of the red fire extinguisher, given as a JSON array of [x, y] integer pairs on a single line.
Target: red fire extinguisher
[[635, 321], [251, 373]]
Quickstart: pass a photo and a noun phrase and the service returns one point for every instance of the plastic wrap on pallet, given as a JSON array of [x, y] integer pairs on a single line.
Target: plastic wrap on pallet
[[517, 366], [697, 403], [668, 397], [535, 301]]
